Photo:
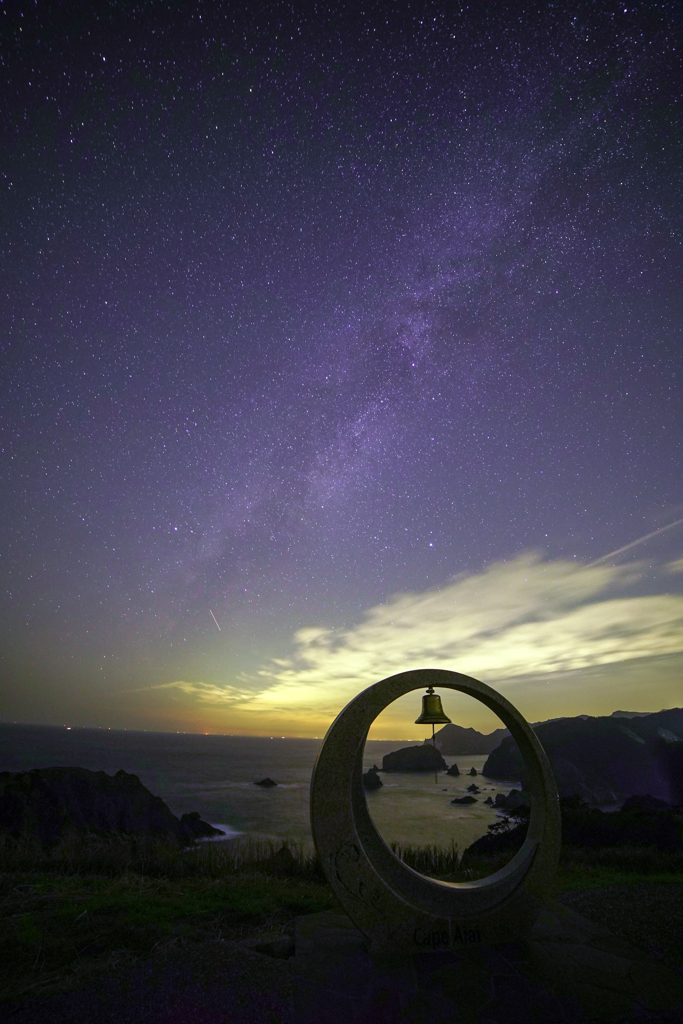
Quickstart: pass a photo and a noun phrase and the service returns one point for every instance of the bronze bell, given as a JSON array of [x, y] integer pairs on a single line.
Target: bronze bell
[[432, 712]]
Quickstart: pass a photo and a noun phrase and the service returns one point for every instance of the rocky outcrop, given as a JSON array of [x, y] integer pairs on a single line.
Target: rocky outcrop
[[282, 861], [473, 788], [464, 800], [453, 770], [371, 779], [494, 843], [473, 771], [639, 824], [47, 803], [455, 741], [645, 802], [605, 760], [195, 828], [511, 801], [414, 759], [267, 783]]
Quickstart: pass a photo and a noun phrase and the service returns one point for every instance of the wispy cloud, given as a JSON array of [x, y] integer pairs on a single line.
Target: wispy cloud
[[520, 618], [198, 692]]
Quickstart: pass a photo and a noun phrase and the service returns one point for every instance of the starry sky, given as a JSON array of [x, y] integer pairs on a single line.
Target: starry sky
[[338, 340]]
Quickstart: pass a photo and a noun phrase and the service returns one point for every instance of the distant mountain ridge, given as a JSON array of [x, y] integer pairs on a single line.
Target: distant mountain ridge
[[454, 740], [603, 760], [632, 714]]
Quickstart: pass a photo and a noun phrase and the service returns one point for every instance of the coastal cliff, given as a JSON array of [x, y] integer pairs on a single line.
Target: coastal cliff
[[47, 803], [605, 760]]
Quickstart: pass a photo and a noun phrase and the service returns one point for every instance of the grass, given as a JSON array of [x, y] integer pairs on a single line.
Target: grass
[[92, 905], [579, 867], [580, 879], [436, 861], [112, 855], [58, 931], [643, 861]]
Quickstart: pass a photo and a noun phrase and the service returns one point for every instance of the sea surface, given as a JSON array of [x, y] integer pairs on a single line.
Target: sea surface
[[215, 775]]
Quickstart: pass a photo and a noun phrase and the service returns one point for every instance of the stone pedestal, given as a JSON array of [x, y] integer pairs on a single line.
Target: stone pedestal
[[400, 909], [568, 970]]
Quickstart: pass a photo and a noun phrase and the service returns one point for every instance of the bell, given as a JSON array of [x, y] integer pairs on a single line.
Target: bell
[[432, 712]]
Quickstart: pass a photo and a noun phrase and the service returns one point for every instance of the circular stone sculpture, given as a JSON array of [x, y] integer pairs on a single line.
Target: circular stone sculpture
[[394, 906]]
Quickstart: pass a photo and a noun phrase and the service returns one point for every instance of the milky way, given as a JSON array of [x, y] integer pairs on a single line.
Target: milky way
[[306, 308]]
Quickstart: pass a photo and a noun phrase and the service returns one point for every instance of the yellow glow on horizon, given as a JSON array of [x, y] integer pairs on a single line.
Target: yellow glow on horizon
[[555, 636]]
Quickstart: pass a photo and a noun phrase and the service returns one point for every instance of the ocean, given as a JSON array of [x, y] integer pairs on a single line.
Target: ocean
[[215, 775]]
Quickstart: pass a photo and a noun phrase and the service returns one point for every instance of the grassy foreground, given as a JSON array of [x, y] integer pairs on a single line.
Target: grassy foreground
[[94, 906]]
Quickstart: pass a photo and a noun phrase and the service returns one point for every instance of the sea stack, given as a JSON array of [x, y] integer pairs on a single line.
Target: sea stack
[[414, 759], [371, 779]]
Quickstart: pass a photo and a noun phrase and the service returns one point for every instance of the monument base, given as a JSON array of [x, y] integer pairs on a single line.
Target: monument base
[[568, 969]]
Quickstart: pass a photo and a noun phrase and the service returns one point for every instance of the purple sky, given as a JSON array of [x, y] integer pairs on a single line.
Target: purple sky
[[304, 308]]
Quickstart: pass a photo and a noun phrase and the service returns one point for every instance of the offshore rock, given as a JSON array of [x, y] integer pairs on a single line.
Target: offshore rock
[[47, 803], [473, 771], [414, 759], [453, 770], [267, 783], [512, 800], [464, 800], [371, 779], [195, 828]]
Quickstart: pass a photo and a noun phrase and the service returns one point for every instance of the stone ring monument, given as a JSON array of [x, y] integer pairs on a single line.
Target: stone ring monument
[[394, 906]]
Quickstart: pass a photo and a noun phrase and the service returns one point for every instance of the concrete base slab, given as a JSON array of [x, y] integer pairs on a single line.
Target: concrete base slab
[[568, 970]]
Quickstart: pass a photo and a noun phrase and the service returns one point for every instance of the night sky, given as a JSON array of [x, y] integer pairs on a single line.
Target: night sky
[[338, 341]]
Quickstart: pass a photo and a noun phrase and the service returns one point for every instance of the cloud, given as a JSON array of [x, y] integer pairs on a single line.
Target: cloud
[[199, 692], [516, 619], [522, 621]]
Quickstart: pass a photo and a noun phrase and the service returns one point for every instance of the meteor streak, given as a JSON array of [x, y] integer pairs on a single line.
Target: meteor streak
[[214, 619], [635, 543]]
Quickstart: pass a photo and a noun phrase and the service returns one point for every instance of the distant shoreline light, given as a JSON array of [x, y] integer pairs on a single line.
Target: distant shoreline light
[[178, 732]]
